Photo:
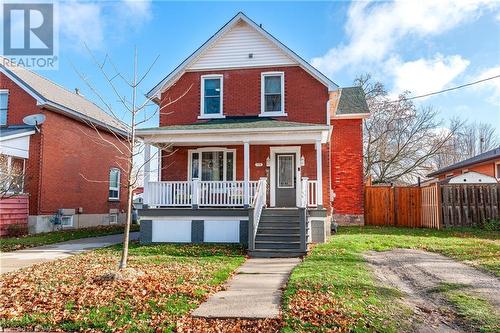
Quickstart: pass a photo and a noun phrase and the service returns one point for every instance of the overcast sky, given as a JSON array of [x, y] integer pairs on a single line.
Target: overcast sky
[[419, 46]]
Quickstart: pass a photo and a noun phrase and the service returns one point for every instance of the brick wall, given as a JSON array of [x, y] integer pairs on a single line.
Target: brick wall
[[347, 166], [65, 150], [305, 96]]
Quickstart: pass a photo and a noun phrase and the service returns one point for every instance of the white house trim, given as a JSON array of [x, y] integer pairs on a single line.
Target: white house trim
[[181, 69], [263, 112], [272, 180], [202, 94]]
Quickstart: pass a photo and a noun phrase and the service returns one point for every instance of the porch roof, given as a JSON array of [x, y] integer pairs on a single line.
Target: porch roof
[[237, 129]]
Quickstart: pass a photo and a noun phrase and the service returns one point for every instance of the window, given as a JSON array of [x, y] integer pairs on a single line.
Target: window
[[4, 106], [114, 184], [212, 164], [286, 166], [497, 170], [273, 94], [12, 171], [67, 220], [211, 96], [113, 218], [449, 175]]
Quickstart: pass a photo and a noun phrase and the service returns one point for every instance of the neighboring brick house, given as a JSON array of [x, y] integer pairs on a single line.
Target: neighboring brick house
[[487, 163], [257, 146], [69, 169]]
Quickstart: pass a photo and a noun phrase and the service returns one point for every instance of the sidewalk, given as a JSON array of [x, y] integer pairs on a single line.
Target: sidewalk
[[11, 261], [254, 292]]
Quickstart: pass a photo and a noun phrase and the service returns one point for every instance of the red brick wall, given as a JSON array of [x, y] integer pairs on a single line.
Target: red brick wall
[[347, 166], [305, 97], [487, 168], [175, 164], [59, 155]]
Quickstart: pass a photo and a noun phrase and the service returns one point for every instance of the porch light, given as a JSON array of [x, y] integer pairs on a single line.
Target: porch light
[[302, 161], [268, 162]]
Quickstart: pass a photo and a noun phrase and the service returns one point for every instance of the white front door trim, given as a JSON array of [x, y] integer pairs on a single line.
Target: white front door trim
[[272, 181]]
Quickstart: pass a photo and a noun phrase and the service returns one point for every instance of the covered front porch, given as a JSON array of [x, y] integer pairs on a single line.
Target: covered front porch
[[260, 183], [224, 167]]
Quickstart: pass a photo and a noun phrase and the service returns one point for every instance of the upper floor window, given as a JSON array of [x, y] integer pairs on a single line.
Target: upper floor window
[[114, 184], [4, 106], [211, 96], [273, 94], [497, 170]]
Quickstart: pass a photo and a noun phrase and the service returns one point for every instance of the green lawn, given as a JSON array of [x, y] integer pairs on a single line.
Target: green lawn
[[333, 287], [163, 284], [23, 242]]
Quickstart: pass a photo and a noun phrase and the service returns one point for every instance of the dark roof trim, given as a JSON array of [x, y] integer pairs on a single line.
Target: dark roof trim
[[486, 156]]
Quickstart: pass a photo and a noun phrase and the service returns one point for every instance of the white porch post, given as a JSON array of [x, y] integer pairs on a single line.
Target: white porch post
[[246, 173], [147, 172], [319, 174]]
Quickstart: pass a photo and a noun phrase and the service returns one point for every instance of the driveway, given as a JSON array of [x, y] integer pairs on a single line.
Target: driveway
[[11, 261]]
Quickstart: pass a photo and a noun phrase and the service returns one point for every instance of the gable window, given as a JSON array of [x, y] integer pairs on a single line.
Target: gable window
[[273, 94], [4, 106], [114, 184], [211, 96], [212, 164]]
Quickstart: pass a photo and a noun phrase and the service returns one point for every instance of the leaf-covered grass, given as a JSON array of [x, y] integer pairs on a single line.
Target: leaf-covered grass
[[24, 242], [163, 283], [477, 312], [334, 288]]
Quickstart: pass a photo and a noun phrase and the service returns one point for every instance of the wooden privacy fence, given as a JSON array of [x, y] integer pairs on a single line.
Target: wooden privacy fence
[[432, 206]]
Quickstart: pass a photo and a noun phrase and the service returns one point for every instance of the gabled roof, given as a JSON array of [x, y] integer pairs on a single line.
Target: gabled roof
[[352, 101], [489, 155], [179, 70], [51, 95]]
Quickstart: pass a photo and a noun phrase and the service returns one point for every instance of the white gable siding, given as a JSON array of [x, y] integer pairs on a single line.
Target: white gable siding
[[232, 50]]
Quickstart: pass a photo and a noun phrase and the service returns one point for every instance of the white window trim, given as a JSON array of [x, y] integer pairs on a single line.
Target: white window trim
[[67, 225], [116, 218], [263, 112], [211, 149], [277, 169], [497, 175], [202, 94], [114, 188], [8, 93]]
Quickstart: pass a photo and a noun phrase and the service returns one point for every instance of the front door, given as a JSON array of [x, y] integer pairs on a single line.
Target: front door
[[285, 180]]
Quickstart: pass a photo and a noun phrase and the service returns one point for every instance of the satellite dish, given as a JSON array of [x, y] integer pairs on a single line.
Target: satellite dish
[[34, 120]]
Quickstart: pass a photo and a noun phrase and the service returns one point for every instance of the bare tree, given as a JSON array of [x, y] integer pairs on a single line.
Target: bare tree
[[133, 111], [472, 139], [400, 140]]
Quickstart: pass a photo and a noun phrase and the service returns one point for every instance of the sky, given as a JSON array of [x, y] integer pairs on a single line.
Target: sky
[[416, 46]]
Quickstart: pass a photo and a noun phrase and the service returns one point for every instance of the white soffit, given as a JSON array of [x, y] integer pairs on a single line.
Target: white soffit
[[241, 46]]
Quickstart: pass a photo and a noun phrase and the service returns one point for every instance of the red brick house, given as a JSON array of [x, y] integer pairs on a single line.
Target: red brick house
[[487, 163], [69, 170], [259, 147]]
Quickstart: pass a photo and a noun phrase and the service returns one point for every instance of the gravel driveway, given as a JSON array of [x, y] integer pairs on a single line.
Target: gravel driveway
[[416, 273]]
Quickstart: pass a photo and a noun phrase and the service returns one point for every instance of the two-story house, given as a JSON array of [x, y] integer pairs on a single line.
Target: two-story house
[[71, 170], [257, 147]]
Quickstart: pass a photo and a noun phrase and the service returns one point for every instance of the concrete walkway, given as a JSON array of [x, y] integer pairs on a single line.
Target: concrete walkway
[[11, 261], [254, 292]]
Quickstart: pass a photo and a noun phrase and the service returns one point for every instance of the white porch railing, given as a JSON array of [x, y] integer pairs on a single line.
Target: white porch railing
[[312, 193], [258, 203], [201, 193]]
